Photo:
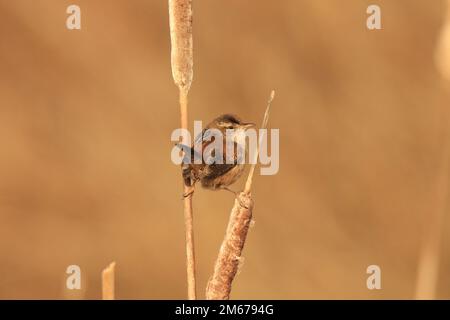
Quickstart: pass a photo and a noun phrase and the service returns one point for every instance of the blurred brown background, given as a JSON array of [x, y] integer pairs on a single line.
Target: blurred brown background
[[85, 124]]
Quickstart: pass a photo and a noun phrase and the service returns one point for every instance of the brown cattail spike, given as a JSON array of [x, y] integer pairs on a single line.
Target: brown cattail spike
[[180, 19]]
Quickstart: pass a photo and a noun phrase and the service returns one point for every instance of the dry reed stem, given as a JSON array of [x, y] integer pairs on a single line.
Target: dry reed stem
[[248, 184], [108, 282], [180, 20], [188, 217], [227, 263]]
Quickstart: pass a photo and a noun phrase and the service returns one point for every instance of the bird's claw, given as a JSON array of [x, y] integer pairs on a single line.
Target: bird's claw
[[188, 194], [238, 198]]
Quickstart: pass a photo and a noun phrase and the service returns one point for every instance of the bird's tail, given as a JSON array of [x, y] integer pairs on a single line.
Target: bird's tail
[[186, 169]]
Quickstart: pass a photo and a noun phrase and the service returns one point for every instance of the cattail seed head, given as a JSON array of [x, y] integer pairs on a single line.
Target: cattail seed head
[[180, 19]]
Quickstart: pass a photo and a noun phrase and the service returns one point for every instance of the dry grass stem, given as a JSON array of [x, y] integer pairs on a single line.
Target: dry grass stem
[[188, 218], [108, 275], [180, 19], [230, 253], [248, 184]]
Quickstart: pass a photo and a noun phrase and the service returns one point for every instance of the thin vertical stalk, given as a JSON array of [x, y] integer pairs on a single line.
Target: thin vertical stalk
[[180, 20], [188, 214]]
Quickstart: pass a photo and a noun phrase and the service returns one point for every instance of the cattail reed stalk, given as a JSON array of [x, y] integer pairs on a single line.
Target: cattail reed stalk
[[180, 19], [228, 260], [108, 275]]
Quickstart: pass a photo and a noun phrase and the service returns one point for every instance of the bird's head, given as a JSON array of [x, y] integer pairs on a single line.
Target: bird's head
[[228, 121]]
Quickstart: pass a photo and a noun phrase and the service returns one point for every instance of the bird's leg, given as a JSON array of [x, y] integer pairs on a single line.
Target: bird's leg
[[189, 183], [236, 194], [228, 189], [189, 192]]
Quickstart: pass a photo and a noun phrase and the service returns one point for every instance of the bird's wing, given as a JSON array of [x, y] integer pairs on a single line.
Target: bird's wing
[[217, 170], [189, 153], [204, 135]]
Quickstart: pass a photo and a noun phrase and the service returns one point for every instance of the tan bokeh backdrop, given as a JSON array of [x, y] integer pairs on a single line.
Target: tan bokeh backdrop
[[85, 124]]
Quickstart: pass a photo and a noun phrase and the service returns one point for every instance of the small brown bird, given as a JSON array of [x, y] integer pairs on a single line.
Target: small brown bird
[[215, 176]]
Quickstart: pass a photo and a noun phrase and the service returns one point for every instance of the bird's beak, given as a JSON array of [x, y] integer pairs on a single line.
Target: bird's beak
[[248, 125]]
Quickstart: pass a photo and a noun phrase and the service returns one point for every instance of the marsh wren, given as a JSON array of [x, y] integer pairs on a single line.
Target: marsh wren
[[217, 175]]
